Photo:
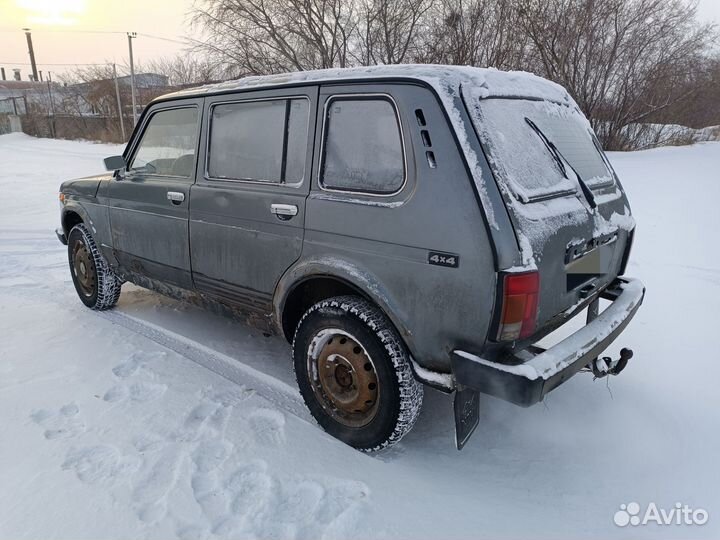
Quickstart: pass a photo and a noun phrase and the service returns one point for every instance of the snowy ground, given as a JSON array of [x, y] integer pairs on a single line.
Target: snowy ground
[[118, 425]]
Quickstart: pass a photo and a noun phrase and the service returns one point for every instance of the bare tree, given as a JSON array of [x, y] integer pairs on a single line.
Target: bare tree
[[476, 33], [703, 109], [621, 60], [271, 36], [186, 69], [390, 31], [89, 89]]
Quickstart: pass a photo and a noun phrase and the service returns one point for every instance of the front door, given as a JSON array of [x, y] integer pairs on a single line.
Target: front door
[[248, 209], [149, 200]]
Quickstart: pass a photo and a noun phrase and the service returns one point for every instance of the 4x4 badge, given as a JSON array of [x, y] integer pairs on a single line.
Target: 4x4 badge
[[444, 259]]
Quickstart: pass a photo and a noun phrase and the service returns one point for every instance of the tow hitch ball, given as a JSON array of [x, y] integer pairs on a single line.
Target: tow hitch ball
[[602, 367]]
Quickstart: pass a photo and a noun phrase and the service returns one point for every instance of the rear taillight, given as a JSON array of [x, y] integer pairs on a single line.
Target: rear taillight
[[626, 253], [520, 303]]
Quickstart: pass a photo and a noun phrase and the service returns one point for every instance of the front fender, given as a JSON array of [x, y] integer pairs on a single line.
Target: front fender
[[95, 217], [84, 188], [72, 207], [80, 198]]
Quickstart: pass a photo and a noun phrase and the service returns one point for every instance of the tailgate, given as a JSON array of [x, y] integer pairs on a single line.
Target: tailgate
[[570, 214]]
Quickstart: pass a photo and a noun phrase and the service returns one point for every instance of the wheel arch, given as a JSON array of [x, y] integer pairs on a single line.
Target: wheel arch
[[315, 280], [71, 216]]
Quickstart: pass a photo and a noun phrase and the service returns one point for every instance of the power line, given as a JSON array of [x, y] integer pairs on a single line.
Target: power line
[[61, 64], [60, 31], [162, 38], [151, 36]]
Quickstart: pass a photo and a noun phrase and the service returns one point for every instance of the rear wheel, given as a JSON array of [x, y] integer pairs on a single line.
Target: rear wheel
[[354, 373], [96, 284]]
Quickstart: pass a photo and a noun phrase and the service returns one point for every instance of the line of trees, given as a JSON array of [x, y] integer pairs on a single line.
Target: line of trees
[[627, 63]]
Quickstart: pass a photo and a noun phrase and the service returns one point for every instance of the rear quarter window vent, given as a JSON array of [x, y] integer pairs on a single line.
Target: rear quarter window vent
[[431, 159], [425, 137]]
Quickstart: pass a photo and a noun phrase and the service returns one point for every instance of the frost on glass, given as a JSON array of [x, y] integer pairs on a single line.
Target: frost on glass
[[246, 140], [297, 134], [522, 160], [168, 143], [363, 148]]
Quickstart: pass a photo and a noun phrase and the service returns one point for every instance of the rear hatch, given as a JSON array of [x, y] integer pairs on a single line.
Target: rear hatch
[[571, 217]]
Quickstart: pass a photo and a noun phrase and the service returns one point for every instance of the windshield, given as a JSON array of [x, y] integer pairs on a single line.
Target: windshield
[[524, 161]]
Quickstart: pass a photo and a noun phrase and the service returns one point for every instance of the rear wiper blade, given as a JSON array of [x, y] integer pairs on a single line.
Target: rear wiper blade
[[560, 160], [550, 146]]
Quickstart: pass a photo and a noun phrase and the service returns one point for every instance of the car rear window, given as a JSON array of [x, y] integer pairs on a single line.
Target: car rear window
[[362, 149], [264, 141], [520, 157]]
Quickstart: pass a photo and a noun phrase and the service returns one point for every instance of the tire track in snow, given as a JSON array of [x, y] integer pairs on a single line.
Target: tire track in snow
[[275, 391], [270, 388]]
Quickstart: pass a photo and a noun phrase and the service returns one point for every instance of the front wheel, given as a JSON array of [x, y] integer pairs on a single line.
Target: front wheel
[[96, 284], [354, 373]]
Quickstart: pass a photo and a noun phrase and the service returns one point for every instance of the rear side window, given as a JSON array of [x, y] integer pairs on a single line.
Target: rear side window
[[265, 141], [362, 148], [167, 146]]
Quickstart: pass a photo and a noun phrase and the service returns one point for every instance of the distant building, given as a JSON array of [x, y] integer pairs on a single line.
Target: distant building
[[93, 98], [146, 80], [22, 91], [142, 81]]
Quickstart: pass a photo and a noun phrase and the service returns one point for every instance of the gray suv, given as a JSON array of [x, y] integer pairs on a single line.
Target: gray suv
[[399, 225]]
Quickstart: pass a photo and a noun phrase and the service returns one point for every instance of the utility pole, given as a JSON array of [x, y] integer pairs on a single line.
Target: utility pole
[[52, 105], [131, 36], [31, 52], [119, 105]]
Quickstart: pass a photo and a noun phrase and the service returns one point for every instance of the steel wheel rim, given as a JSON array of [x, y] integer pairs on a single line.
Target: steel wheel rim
[[343, 377], [84, 269]]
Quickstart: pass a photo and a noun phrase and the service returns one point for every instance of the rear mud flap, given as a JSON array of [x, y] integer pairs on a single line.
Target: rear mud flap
[[467, 414]]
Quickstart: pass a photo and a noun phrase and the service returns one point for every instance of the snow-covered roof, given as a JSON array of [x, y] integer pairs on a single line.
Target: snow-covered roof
[[444, 79]]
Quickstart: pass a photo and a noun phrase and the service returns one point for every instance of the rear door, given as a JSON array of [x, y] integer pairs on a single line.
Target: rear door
[[248, 206], [148, 202], [570, 214]]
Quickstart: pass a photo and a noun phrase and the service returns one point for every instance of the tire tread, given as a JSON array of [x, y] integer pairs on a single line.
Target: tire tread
[[411, 390], [109, 286]]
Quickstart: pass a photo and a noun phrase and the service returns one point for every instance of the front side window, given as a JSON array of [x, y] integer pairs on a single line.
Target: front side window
[[167, 146], [265, 141], [362, 150]]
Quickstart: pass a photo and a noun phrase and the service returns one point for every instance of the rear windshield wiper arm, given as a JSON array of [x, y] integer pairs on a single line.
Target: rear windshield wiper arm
[[560, 159]]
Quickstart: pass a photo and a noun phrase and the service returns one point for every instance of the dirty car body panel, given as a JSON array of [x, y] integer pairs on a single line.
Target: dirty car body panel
[[503, 185], [235, 208]]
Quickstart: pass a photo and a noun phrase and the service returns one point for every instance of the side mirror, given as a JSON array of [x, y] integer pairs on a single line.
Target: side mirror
[[114, 163]]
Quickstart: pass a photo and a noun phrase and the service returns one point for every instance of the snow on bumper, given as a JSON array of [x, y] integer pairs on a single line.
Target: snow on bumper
[[527, 383]]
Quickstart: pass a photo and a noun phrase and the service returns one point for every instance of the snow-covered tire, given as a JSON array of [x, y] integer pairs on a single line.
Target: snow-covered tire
[[395, 399], [95, 282]]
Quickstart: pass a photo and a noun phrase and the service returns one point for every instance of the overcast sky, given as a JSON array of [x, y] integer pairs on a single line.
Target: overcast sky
[[61, 30], [710, 10]]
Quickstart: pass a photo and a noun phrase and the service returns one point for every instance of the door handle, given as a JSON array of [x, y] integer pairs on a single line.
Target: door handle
[[175, 196], [284, 211]]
